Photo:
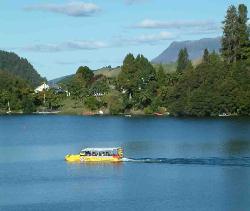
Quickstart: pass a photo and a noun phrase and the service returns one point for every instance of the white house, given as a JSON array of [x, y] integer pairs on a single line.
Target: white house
[[44, 86]]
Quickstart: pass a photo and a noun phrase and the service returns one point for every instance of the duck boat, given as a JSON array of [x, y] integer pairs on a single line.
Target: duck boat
[[97, 155]]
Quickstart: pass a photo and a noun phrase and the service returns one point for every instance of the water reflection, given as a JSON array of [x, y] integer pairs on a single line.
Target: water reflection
[[237, 147], [195, 164]]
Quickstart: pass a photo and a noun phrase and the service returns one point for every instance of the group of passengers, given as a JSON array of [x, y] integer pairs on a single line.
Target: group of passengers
[[89, 153]]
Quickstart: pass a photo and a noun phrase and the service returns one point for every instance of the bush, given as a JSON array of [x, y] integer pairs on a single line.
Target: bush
[[92, 103]]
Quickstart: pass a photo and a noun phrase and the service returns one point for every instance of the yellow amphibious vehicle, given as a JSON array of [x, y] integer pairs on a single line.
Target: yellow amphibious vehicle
[[97, 155]]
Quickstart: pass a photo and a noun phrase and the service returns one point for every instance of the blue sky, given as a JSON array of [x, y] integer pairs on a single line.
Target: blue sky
[[59, 36]]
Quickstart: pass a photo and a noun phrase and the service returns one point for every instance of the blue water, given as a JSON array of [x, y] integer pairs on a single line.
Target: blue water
[[174, 164]]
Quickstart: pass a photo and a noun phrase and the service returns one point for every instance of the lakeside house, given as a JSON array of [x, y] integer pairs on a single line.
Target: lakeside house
[[98, 94], [55, 87], [42, 87]]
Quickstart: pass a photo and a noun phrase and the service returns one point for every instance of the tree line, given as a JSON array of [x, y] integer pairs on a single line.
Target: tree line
[[219, 84]]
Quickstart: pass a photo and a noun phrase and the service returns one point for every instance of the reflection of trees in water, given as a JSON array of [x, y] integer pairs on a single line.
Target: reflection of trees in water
[[237, 146]]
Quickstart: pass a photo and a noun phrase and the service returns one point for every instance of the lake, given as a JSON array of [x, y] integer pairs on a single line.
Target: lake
[[176, 163]]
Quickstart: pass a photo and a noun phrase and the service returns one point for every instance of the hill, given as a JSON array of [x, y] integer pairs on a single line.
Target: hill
[[59, 80], [15, 65], [195, 49], [110, 72]]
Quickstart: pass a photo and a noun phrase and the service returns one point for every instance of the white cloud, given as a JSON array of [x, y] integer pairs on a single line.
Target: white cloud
[[193, 24], [66, 46], [77, 9], [150, 39]]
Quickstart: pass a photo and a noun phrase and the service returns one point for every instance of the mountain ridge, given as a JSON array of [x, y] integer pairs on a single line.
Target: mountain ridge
[[195, 49]]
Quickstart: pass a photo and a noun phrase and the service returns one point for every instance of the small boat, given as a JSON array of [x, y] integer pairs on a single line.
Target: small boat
[[158, 114], [97, 155], [224, 115]]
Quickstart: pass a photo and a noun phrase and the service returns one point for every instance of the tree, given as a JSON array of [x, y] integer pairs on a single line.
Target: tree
[[243, 33], [115, 103], [235, 39], [161, 76], [85, 73], [99, 85], [92, 103], [28, 104], [79, 85], [126, 78], [205, 58], [214, 58], [230, 39], [183, 61]]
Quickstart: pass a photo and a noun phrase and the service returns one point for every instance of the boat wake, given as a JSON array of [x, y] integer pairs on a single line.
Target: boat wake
[[212, 161]]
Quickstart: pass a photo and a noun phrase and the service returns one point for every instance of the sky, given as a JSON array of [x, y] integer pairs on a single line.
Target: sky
[[57, 36]]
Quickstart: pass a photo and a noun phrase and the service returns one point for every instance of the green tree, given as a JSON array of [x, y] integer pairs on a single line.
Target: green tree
[[85, 73], [183, 61], [100, 85], [235, 39], [126, 78], [243, 33], [93, 103], [205, 58], [230, 38], [114, 102], [28, 104], [136, 80], [161, 76]]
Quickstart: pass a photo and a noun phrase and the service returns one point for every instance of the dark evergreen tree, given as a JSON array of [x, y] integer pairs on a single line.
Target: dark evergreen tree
[[230, 40], [205, 58], [126, 78], [183, 61], [161, 76], [85, 73], [243, 33]]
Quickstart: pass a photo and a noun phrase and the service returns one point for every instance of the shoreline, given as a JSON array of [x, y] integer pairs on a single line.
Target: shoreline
[[126, 115]]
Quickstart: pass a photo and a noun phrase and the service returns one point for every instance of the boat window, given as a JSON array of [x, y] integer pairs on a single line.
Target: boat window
[[86, 153], [94, 153], [108, 153], [115, 152], [82, 153]]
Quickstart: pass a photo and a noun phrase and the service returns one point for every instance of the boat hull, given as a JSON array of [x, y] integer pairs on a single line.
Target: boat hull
[[78, 158]]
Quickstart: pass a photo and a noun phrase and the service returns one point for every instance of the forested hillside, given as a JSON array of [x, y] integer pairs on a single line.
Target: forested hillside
[[14, 92], [15, 65]]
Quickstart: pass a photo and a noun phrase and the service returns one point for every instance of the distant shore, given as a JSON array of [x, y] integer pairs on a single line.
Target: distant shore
[[98, 113]]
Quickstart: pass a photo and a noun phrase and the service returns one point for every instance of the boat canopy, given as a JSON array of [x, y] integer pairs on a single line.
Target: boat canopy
[[100, 149]]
